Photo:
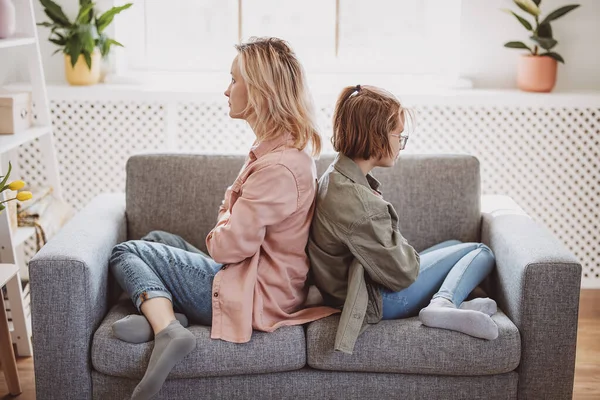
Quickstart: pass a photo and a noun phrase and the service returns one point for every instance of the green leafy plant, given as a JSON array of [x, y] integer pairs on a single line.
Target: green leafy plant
[[82, 35], [541, 32]]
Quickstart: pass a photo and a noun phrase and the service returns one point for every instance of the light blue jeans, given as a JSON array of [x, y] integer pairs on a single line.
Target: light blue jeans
[[451, 270], [162, 264]]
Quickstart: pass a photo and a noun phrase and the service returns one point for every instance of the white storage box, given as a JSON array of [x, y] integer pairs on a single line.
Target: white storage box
[[15, 112]]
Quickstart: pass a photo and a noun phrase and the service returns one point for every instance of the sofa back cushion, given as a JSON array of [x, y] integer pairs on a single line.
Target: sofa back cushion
[[437, 196]]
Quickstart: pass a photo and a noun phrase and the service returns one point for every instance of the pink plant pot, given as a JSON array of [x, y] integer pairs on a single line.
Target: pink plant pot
[[7, 19], [536, 73]]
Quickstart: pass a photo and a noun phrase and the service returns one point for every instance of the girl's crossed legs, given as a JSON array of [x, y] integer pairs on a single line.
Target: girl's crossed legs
[[449, 272]]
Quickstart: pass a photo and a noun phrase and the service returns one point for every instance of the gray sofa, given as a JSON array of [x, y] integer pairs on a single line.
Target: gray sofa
[[536, 284]]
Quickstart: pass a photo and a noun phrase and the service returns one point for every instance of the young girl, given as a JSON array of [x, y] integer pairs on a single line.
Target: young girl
[[360, 260], [256, 276]]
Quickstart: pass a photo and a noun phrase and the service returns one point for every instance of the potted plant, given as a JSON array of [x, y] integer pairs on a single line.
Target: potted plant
[[83, 41], [537, 70]]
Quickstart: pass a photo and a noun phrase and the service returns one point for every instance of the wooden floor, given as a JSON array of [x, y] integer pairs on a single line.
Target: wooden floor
[[587, 364], [587, 368]]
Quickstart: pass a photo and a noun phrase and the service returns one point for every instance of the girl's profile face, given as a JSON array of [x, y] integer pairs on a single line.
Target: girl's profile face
[[237, 92], [394, 140]]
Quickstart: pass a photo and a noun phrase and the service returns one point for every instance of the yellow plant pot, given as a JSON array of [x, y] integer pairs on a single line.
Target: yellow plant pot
[[81, 74], [536, 73]]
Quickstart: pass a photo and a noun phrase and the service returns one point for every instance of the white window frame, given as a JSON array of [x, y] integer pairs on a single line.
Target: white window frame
[[343, 62]]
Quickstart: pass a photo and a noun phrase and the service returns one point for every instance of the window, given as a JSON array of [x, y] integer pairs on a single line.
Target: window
[[417, 37]]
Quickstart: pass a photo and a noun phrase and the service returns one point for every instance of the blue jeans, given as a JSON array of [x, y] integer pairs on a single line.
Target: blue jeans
[[451, 270], [164, 265]]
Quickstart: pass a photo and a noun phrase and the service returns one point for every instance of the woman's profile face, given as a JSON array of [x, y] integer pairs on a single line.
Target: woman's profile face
[[237, 92]]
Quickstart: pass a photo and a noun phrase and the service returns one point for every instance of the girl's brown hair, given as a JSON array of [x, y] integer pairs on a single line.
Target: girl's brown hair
[[363, 118], [277, 92]]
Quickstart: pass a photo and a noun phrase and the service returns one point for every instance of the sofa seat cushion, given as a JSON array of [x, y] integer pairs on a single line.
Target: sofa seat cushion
[[406, 346], [282, 350]]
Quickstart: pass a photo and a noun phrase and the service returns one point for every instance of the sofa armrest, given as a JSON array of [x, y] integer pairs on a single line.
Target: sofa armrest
[[536, 282], [70, 295]]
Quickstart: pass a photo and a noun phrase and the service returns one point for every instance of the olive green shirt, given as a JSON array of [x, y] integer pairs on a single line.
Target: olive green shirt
[[355, 248]]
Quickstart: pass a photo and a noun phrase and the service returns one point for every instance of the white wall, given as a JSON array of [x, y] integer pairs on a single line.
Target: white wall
[[484, 31]]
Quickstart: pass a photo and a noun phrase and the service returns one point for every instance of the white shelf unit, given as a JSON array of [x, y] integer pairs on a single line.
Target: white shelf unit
[[11, 241], [17, 40], [8, 143]]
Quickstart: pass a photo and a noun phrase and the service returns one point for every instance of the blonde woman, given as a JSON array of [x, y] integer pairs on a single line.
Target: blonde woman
[[256, 276]]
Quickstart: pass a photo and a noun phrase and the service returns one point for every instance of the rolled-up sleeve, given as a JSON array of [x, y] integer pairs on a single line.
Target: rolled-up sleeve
[[268, 196], [382, 250]]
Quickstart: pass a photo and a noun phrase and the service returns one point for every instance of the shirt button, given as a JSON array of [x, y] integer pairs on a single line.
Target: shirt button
[[357, 316], [216, 294]]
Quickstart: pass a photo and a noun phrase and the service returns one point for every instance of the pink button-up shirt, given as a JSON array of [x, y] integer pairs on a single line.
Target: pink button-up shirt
[[261, 236]]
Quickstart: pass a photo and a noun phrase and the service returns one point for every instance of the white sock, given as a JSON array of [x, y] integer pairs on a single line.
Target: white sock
[[441, 313], [483, 304]]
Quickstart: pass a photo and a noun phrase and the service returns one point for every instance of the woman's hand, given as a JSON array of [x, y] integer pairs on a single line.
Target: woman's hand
[[225, 203]]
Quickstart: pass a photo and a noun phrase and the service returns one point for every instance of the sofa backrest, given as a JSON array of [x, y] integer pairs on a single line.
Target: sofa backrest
[[437, 196]]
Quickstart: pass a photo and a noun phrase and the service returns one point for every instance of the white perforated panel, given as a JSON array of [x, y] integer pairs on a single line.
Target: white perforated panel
[[544, 157], [205, 127], [547, 159], [94, 141]]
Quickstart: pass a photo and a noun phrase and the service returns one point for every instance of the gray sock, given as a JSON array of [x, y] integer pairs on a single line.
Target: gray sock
[[485, 305], [171, 345], [135, 328], [442, 313]]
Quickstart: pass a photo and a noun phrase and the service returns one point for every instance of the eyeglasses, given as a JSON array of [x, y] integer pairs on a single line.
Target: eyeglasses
[[403, 139]]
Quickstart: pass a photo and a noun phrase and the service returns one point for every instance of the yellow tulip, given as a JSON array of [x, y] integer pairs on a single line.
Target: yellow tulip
[[529, 6], [16, 185], [22, 196]]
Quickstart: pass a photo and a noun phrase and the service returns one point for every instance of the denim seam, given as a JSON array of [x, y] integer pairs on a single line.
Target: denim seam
[[464, 271], [194, 270], [431, 266], [139, 292], [436, 296]]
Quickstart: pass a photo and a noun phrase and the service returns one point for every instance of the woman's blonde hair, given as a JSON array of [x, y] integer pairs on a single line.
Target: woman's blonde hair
[[277, 92], [363, 118]]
